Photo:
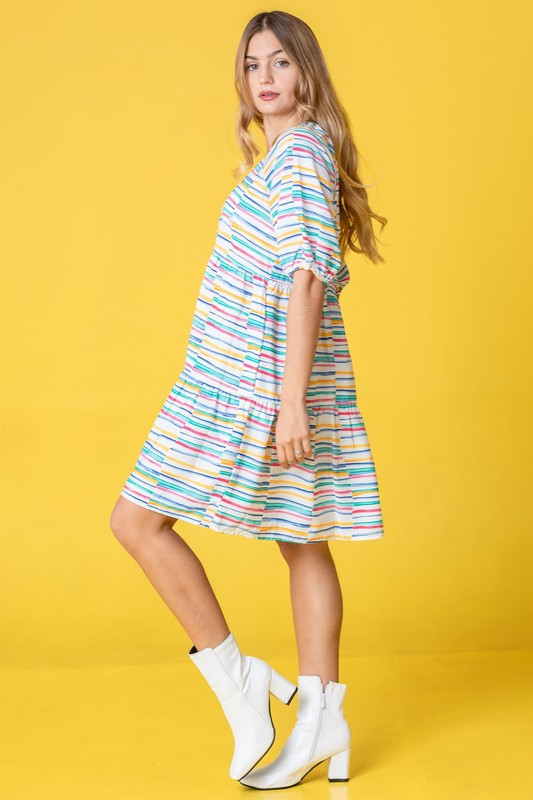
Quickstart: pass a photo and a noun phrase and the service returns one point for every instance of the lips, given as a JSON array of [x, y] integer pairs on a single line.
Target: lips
[[268, 95]]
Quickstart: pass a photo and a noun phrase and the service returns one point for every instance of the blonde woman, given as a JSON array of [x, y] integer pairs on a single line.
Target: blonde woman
[[261, 435]]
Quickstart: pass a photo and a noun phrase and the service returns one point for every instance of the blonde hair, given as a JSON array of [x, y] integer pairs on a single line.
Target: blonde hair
[[316, 100]]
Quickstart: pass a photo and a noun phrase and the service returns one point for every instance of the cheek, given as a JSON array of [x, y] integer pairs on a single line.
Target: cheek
[[250, 82], [292, 82]]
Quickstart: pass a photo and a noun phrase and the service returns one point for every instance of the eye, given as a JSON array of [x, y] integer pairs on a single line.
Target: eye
[[279, 61]]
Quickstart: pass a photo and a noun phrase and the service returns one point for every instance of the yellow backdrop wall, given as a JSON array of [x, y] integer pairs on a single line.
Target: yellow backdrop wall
[[117, 154]]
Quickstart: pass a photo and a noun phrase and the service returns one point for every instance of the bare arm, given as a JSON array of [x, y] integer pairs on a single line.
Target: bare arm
[[303, 202], [303, 325]]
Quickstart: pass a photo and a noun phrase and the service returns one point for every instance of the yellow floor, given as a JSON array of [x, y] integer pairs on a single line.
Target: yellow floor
[[448, 726]]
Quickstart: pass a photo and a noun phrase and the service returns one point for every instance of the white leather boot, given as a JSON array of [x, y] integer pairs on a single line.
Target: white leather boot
[[243, 685], [321, 732]]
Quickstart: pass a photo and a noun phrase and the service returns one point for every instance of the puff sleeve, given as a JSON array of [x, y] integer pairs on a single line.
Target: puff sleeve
[[303, 207]]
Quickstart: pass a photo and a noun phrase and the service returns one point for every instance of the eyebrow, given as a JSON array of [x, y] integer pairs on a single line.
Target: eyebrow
[[273, 53]]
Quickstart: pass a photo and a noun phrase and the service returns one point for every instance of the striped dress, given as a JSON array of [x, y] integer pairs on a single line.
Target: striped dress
[[210, 457]]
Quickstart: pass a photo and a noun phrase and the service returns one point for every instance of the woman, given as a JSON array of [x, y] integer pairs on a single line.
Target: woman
[[260, 435]]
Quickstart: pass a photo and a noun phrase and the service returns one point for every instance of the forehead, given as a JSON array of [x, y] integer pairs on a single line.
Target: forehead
[[263, 44]]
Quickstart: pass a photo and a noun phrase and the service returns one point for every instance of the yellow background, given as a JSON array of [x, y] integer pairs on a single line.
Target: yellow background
[[117, 151]]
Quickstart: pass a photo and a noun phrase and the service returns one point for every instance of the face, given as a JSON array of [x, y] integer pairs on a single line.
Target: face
[[269, 69]]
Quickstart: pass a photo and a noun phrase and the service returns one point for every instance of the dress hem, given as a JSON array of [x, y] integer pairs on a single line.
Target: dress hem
[[183, 516]]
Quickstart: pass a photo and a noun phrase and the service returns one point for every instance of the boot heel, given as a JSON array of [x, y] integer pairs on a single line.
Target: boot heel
[[339, 766], [281, 688]]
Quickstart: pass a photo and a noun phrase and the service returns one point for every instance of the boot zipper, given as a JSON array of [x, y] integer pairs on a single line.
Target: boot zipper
[[319, 724]]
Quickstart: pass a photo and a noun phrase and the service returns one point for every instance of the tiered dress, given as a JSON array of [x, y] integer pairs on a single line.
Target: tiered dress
[[210, 457]]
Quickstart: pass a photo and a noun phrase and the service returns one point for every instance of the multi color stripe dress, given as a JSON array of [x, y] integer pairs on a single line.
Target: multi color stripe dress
[[210, 457]]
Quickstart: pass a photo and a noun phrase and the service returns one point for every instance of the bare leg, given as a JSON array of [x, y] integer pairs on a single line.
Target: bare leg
[[317, 608], [174, 570]]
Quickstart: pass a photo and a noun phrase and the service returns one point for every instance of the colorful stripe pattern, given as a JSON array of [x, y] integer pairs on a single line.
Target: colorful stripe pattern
[[210, 455]]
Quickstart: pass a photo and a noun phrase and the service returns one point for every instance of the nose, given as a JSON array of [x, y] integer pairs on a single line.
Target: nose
[[264, 76]]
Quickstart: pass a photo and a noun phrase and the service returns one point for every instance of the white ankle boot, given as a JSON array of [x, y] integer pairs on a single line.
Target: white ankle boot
[[243, 685], [321, 732]]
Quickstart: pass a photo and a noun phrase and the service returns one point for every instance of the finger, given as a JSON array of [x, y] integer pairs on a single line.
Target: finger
[[282, 458], [299, 451], [303, 450], [290, 454]]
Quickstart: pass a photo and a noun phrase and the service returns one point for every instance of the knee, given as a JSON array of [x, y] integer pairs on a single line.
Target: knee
[[294, 553], [290, 551], [132, 525], [121, 523]]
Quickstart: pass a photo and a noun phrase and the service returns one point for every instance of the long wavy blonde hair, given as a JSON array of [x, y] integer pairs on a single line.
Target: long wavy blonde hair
[[316, 100]]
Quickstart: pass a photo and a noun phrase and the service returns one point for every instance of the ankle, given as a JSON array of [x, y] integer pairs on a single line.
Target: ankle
[[215, 644], [325, 680]]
